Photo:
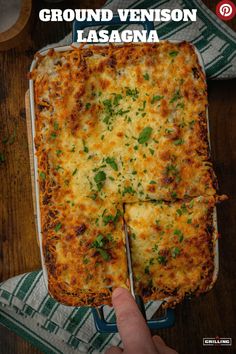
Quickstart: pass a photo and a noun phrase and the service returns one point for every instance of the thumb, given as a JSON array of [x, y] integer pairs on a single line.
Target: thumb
[[132, 327]]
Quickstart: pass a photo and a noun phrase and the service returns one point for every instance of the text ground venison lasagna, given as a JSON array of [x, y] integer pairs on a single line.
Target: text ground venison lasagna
[[117, 125]]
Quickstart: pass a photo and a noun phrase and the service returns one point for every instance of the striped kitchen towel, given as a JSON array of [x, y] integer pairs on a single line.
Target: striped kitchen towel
[[28, 310], [212, 37]]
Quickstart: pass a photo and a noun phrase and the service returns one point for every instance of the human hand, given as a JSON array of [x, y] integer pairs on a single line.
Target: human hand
[[134, 332]]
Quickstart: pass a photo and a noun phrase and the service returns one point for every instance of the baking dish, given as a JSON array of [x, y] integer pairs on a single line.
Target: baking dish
[[67, 48]]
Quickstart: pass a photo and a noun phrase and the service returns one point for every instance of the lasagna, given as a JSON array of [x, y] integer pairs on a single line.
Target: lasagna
[[172, 247], [117, 125]]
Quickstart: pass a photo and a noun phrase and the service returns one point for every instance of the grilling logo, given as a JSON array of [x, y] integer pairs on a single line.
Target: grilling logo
[[217, 342], [225, 10]]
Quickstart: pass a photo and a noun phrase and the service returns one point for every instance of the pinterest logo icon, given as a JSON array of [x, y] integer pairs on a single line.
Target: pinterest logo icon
[[225, 10]]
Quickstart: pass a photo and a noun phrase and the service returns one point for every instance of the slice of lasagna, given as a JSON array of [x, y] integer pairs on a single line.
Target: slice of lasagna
[[172, 247], [84, 249]]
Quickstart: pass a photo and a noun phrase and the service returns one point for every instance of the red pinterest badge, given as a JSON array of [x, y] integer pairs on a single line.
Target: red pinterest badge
[[225, 10]]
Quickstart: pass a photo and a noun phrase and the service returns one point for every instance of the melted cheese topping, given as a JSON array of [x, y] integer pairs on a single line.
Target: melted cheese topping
[[171, 247], [114, 125]]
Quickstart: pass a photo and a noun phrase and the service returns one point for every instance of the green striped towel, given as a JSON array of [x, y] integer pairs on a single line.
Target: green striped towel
[[212, 37], [28, 310]]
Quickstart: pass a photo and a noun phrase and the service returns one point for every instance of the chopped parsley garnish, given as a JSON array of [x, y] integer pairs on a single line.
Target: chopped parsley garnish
[[100, 179], [133, 236], [146, 76], [156, 98], [143, 107], [56, 125], [128, 190], [111, 161], [171, 169], [74, 172], [191, 203], [180, 105], [145, 135], [73, 148], [182, 210], [189, 221], [179, 233], [179, 212], [151, 151], [99, 243], [117, 99], [53, 135], [155, 248], [162, 260], [173, 54], [108, 111], [58, 152], [42, 175], [93, 196], [98, 168], [133, 93], [176, 96], [152, 182], [111, 219], [120, 112], [175, 252], [87, 105], [178, 141], [147, 268], [104, 254], [58, 227], [86, 149]]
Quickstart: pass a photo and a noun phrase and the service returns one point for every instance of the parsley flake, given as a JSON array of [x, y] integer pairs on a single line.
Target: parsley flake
[[145, 134], [156, 98], [42, 175], [111, 161], [100, 179], [58, 227], [173, 54], [175, 252]]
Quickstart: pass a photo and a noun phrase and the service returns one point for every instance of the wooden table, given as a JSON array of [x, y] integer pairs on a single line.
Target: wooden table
[[208, 316]]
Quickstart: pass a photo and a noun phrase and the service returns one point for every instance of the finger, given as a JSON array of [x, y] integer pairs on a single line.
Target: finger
[[131, 324], [113, 350], [161, 347], [158, 340]]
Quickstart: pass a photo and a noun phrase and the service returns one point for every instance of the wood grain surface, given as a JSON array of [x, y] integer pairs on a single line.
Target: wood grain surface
[[208, 316]]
